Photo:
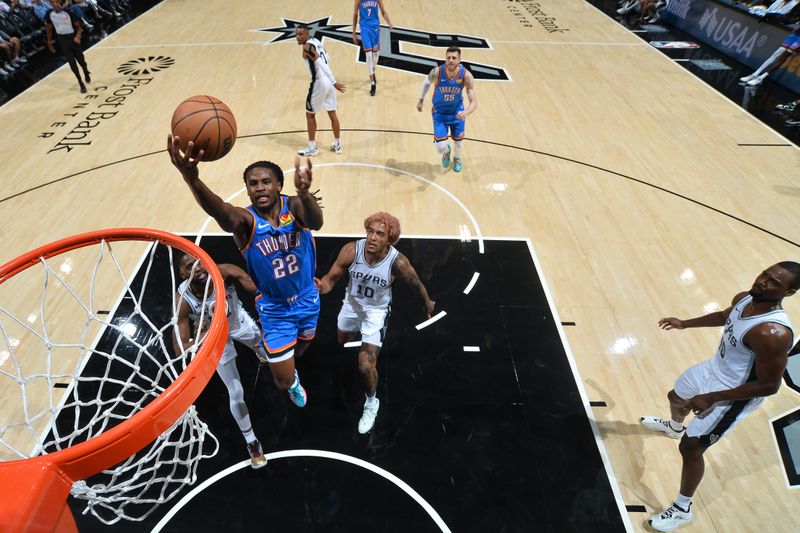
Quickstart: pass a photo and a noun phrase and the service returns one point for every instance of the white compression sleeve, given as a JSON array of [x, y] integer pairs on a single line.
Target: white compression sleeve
[[426, 83]]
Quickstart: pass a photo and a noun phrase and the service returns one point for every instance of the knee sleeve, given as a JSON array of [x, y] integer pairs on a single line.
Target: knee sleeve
[[370, 65]]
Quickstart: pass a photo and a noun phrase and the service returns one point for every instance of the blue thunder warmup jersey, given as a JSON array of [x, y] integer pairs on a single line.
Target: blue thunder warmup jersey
[[368, 13], [448, 97], [281, 260]]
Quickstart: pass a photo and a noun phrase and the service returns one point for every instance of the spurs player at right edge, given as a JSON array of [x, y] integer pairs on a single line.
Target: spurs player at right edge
[[749, 365], [373, 265]]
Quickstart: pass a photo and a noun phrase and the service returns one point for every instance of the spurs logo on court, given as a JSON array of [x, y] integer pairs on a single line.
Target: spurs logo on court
[[145, 65], [391, 39]]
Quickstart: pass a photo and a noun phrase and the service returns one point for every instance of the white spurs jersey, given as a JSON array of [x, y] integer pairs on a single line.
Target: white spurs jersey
[[734, 363], [316, 73], [237, 316], [370, 287]]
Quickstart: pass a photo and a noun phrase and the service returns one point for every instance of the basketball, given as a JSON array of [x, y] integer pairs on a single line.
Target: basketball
[[208, 123]]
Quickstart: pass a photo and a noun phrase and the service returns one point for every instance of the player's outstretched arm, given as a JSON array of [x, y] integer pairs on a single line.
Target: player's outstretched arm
[[232, 219], [710, 320], [305, 205], [234, 274], [343, 261], [403, 270]]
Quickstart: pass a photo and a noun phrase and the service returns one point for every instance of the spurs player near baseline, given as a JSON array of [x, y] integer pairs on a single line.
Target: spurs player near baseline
[[321, 91], [372, 265], [274, 236], [196, 307], [448, 111], [721, 391]]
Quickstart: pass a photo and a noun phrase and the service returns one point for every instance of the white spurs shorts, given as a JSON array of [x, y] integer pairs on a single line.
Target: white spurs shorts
[[321, 96], [371, 323], [723, 416]]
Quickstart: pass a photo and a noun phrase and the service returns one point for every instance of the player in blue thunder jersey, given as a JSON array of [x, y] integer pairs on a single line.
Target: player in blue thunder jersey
[[273, 234], [370, 26], [450, 79]]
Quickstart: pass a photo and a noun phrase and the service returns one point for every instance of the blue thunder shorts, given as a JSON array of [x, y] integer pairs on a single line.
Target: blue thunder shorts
[[286, 321], [370, 37], [442, 124], [792, 42]]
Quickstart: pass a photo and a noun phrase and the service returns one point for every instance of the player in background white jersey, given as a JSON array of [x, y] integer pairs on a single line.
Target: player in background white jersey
[[748, 365], [241, 328], [321, 91], [372, 265]]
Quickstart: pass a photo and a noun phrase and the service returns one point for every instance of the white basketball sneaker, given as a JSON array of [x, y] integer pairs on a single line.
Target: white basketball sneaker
[[757, 80], [670, 518], [368, 417], [308, 151], [659, 424], [337, 147]]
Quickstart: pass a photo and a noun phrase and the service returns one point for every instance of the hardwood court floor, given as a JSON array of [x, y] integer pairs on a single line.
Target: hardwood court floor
[[630, 177]]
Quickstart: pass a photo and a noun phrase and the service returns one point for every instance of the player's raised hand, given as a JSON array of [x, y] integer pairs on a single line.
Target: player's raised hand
[[302, 176], [670, 323], [185, 163]]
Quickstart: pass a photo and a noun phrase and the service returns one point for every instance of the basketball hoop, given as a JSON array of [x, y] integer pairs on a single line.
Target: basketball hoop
[[33, 491]]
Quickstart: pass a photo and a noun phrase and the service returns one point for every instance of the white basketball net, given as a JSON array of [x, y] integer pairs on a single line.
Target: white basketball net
[[83, 347]]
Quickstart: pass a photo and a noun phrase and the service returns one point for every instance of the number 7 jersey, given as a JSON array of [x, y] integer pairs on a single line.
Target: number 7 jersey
[[282, 261]]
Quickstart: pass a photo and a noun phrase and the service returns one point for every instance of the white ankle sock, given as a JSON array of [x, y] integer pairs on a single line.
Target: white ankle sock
[[684, 502], [371, 400], [675, 426]]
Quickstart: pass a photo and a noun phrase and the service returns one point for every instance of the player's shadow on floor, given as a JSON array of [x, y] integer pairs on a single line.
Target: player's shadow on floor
[[642, 494], [427, 170], [295, 141]]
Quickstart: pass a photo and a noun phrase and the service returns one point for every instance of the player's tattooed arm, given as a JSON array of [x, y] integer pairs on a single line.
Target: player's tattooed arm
[[402, 269]]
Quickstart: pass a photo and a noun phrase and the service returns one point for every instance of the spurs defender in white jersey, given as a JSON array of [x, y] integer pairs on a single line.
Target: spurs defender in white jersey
[[241, 328], [721, 391], [372, 264], [321, 91]]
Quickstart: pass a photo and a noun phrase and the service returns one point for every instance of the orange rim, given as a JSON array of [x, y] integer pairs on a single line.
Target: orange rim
[[26, 500]]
